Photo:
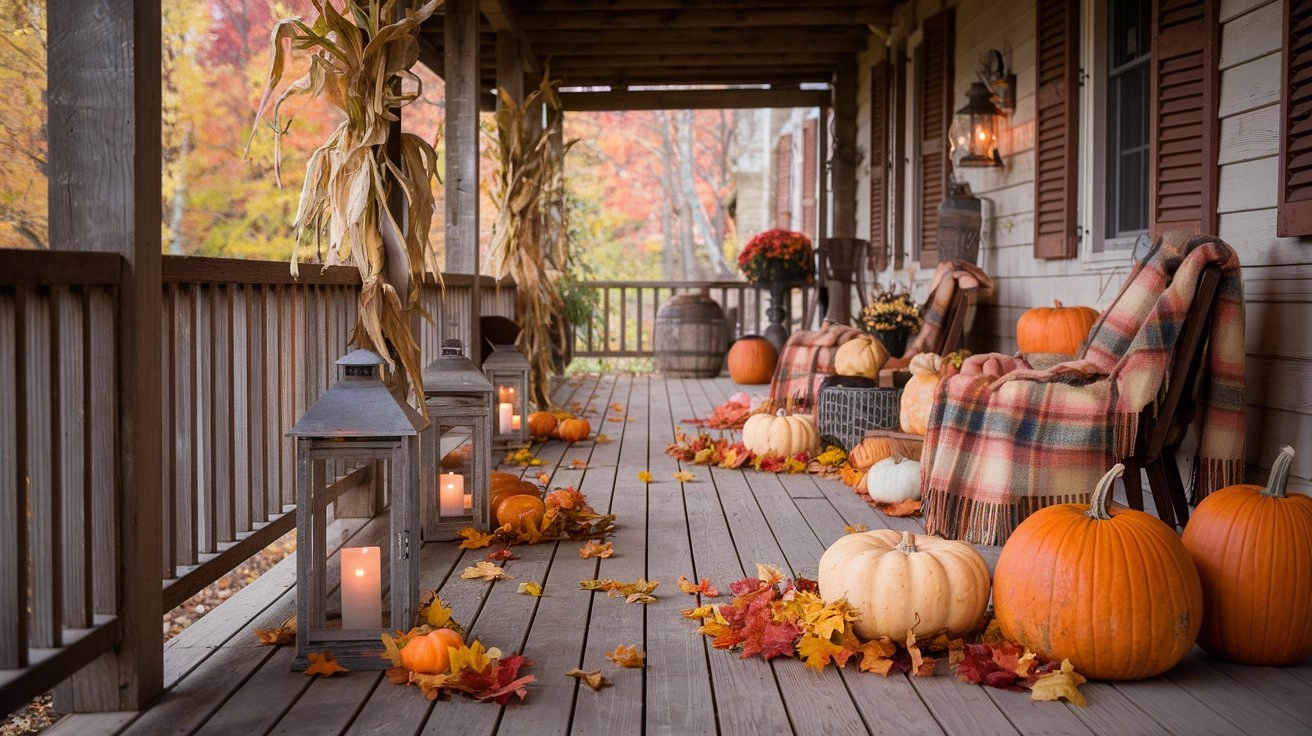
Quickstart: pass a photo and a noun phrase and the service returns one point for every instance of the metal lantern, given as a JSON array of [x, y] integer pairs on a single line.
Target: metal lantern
[[357, 453], [974, 134], [457, 445], [507, 370]]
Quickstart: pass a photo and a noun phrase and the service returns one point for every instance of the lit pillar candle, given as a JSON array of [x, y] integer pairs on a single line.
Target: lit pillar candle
[[515, 422], [451, 494], [504, 412], [362, 588]]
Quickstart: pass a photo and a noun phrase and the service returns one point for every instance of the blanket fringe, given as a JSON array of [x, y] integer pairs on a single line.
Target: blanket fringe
[[952, 516]]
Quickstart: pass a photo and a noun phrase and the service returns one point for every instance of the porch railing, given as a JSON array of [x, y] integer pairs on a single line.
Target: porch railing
[[245, 350], [625, 319]]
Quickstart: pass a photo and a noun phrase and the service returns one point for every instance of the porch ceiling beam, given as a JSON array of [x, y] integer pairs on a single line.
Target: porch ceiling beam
[[610, 5], [789, 17], [720, 46], [621, 76], [786, 59], [692, 99]]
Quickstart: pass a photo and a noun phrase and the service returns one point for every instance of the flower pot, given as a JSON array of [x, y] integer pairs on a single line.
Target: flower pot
[[894, 341]]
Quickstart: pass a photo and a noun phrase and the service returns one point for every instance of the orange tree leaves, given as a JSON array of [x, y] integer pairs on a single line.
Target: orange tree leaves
[[323, 663]]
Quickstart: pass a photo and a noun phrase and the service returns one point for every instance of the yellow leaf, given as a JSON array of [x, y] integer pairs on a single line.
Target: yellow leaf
[[474, 539], [485, 570], [644, 476], [626, 656], [1062, 684], [816, 651], [530, 588], [323, 663], [683, 476], [592, 679], [602, 439], [596, 549], [643, 598], [856, 528], [437, 615], [698, 613], [471, 657]]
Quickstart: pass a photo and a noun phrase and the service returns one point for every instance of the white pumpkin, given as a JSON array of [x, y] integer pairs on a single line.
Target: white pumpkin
[[863, 355], [900, 581], [893, 479], [780, 433]]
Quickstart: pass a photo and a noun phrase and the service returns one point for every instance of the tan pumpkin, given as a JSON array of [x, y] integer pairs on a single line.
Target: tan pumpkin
[[752, 360], [430, 654], [900, 581], [863, 355], [574, 429], [1253, 549], [1055, 329], [541, 424], [1111, 589], [780, 434], [893, 479], [918, 394], [871, 450]]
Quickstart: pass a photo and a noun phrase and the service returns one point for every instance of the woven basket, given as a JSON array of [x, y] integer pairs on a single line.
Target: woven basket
[[847, 412]]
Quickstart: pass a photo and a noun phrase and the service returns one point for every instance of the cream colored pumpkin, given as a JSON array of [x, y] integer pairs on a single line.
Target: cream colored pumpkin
[[900, 581], [863, 355], [918, 394], [893, 479], [780, 434]]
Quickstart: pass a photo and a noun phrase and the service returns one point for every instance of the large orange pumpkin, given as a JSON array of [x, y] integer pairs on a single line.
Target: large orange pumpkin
[[573, 429], [517, 511], [918, 394], [1113, 590], [752, 360], [430, 653], [541, 424], [519, 488], [1055, 329], [1253, 548]]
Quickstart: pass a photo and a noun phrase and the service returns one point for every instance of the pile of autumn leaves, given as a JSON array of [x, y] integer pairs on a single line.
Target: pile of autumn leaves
[[771, 616], [703, 449]]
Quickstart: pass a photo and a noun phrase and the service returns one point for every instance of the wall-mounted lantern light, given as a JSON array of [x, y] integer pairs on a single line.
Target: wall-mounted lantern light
[[974, 134]]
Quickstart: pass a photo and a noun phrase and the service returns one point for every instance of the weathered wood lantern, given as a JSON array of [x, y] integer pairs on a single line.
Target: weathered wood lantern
[[347, 596], [507, 370], [457, 445]]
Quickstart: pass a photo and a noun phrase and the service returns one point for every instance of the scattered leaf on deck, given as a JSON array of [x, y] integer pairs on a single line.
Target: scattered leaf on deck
[[485, 571], [684, 476], [617, 406], [530, 588], [643, 598], [592, 679], [284, 634], [626, 656], [596, 549], [905, 507], [578, 463], [323, 663], [698, 613], [644, 476], [1061, 684], [705, 587], [614, 419], [856, 528], [437, 615], [602, 439], [544, 477], [473, 538], [501, 554]]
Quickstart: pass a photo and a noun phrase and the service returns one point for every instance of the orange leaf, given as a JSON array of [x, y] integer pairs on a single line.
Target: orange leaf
[[474, 539], [626, 656], [285, 634], [705, 587], [614, 419], [617, 407], [323, 663], [578, 463], [596, 549], [544, 477], [592, 679], [907, 507], [856, 528]]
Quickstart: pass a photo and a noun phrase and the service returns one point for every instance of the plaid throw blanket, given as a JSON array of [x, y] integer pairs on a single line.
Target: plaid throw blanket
[[996, 452], [805, 361]]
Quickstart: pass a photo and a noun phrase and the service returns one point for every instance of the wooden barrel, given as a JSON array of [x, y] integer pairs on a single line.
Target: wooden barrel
[[691, 337]]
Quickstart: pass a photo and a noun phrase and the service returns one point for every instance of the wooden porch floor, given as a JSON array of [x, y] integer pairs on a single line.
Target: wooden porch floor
[[220, 681]]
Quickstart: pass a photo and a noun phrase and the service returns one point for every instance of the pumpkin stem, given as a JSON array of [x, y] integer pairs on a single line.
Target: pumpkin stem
[[1275, 485], [908, 543], [1056, 303], [1102, 494], [780, 412]]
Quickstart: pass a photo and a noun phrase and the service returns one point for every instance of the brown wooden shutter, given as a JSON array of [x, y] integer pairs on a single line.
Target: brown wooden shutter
[[1182, 177], [1056, 129], [935, 118], [809, 151], [783, 184], [1294, 213], [880, 110]]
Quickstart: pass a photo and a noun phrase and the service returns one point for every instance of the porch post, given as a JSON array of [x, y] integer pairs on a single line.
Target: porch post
[[461, 180], [104, 173], [842, 172]]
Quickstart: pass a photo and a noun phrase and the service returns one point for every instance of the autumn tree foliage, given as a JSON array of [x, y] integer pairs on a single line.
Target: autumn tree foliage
[[23, 146]]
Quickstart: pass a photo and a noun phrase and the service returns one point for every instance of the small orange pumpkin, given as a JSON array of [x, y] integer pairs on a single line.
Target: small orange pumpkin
[[1055, 329], [574, 429], [541, 424], [517, 511], [752, 360], [1253, 548], [519, 488], [918, 394], [430, 653]]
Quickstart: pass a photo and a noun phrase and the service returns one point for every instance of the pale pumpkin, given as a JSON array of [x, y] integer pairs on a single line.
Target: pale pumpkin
[[1111, 589], [1253, 549], [900, 581], [430, 654], [893, 479], [780, 434], [1055, 329], [863, 355], [871, 450], [541, 424], [918, 394], [752, 360]]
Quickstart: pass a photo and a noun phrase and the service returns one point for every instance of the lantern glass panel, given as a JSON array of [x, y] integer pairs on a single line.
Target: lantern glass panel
[[507, 370]]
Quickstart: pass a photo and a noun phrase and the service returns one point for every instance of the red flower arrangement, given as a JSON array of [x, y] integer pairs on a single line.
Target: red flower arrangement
[[777, 256]]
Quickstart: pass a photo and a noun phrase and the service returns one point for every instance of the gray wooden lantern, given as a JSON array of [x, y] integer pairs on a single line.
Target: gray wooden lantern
[[457, 446], [507, 370], [349, 592]]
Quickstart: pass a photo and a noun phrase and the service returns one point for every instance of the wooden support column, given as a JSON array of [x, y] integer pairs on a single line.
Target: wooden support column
[[510, 64], [842, 167], [461, 181], [104, 131]]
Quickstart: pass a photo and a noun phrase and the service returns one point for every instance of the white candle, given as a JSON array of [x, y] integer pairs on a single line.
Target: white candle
[[504, 412], [451, 494], [515, 422], [362, 588]]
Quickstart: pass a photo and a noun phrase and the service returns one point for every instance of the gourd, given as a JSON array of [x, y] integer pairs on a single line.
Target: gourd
[[573, 429], [1253, 549], [893, 479], [992, 365], [780, 434], [871, 450], [541, 424], [1111, 589], [918, 394], [430, 653], [752, 360], [517, 511], [1055, 329], [863, 355], [901, 581]]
